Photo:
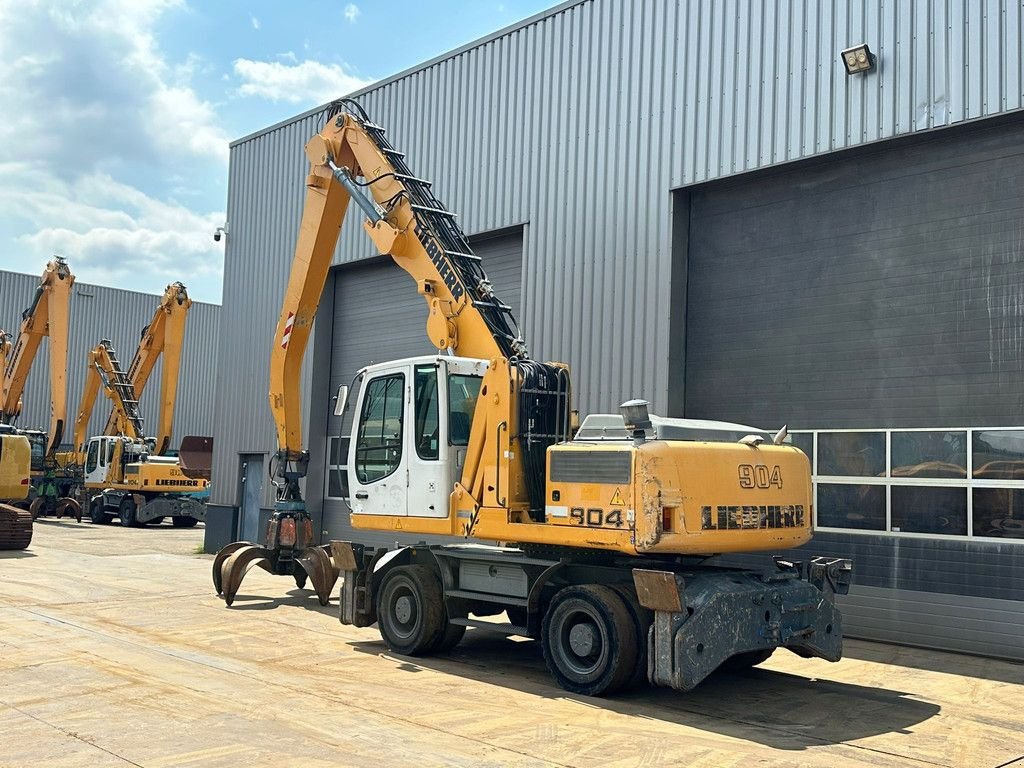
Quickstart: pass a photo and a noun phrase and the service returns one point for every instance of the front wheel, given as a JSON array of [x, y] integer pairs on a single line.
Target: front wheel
[[589, 640], [410, 610], [96, 513], [126, 512]]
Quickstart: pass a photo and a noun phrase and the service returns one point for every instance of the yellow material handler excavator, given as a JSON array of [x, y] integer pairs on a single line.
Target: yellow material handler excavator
[[122, 474], [597, 542], [46, 317]]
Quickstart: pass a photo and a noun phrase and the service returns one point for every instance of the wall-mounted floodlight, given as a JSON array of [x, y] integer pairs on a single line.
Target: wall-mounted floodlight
[[858, 59]]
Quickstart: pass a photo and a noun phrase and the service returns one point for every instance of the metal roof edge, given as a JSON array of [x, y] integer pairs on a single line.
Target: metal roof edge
[[84, 286], [529, 21]]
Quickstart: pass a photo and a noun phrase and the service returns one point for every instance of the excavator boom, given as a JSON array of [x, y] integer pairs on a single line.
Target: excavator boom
[[164, 335], [47, 316]]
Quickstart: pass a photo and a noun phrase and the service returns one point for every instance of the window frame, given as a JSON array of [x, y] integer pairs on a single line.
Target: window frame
[[430, 369], [969, 483], [333, 468], [400, 443]]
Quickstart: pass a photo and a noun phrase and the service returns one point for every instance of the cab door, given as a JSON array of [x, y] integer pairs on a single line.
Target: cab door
[[378, 455], [97, 460]]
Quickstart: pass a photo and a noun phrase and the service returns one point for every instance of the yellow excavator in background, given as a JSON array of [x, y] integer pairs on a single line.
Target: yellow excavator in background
[[599, 541], [47, 316], [121, 473], [164, 336], [15, 476]]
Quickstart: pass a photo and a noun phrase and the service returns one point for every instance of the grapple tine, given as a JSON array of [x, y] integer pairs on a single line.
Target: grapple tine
[[237, 564], [222, 555], [321, 572]]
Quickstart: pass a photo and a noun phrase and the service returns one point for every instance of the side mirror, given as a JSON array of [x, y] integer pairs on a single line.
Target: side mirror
[[341, 400]]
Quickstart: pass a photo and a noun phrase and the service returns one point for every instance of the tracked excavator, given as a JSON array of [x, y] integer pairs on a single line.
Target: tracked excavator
[[122, 474], [46, 317], [600, 542]]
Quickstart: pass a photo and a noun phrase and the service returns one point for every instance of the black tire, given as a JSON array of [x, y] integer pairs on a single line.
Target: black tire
[[642, 620], [126, 512], [589, 640], [96, 513], [742, 661], [410, 610], [183, 522], [450, 637]]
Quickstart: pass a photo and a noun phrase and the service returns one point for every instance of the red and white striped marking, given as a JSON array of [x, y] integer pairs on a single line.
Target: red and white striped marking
[[288, 325]]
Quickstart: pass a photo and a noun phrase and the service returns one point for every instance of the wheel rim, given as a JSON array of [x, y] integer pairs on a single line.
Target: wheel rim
[[403, 610], [582, 642]]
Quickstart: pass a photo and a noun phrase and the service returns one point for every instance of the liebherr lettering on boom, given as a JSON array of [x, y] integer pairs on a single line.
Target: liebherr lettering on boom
[[598, 541]]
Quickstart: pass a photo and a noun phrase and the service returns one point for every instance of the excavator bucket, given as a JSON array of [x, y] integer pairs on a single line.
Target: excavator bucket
[[317, 563], [218, 562], [233, 561], [236, 565], [196, 456]]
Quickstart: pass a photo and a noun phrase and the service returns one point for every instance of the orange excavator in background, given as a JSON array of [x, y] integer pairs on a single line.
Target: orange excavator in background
[[596, 542], [46, 317]]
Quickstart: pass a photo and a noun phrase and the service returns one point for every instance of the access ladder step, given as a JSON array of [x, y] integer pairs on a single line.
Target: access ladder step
[[461, 255], [413, 179], [504, 628], [468, 594], [437, 211]]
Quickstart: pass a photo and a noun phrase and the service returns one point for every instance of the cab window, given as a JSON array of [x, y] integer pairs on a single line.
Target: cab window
[[426, 412], [379, 444], [92, 459], [462, 394]]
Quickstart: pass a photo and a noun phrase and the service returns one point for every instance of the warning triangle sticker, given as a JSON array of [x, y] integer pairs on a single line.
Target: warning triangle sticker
[[617, 498]]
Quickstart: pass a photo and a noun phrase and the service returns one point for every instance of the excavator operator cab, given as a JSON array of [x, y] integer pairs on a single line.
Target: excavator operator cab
[[37, 442], [409, 435]]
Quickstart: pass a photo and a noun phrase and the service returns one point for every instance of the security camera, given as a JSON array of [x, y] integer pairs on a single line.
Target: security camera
[[219, 232]]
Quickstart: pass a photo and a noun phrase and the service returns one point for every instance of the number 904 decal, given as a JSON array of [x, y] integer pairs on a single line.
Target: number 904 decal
[[760, 476], [596, 518]]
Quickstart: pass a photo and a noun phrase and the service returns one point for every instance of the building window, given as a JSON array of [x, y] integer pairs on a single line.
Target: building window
[[337, 467], [951, 483]]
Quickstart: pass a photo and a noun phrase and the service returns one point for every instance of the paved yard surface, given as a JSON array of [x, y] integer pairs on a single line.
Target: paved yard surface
[[114, 651]]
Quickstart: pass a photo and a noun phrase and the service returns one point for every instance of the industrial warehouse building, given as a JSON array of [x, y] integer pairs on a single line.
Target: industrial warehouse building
[[694, 203], [98, 313]]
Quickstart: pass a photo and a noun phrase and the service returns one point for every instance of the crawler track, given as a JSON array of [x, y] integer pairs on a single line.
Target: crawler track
[[15, 527]]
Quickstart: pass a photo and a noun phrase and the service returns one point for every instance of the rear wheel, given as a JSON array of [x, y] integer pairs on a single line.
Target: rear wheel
[[410, 610], [642, 619], [589, 640], [183, 522], [126, 512]]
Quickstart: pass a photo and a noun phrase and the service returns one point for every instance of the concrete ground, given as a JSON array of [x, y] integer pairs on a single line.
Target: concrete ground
[[115, 651]]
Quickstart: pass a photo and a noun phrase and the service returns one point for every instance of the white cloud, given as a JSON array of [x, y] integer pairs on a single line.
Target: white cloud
[[112, 233], [305, 82], [98, 126], [255, 22], [352, 13]]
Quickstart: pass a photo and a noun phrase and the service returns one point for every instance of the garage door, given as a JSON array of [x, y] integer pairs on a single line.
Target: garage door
[[870, 289], [378, 316]]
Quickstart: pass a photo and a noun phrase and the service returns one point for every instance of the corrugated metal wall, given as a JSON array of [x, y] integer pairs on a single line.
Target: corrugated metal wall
[[578, 122], [98, 313]]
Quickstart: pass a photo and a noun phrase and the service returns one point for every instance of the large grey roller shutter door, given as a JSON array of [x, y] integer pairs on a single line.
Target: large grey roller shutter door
[[378, 316], [873, 288]]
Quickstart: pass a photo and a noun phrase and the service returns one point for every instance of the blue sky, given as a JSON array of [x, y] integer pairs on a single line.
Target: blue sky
[[118, 114]]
